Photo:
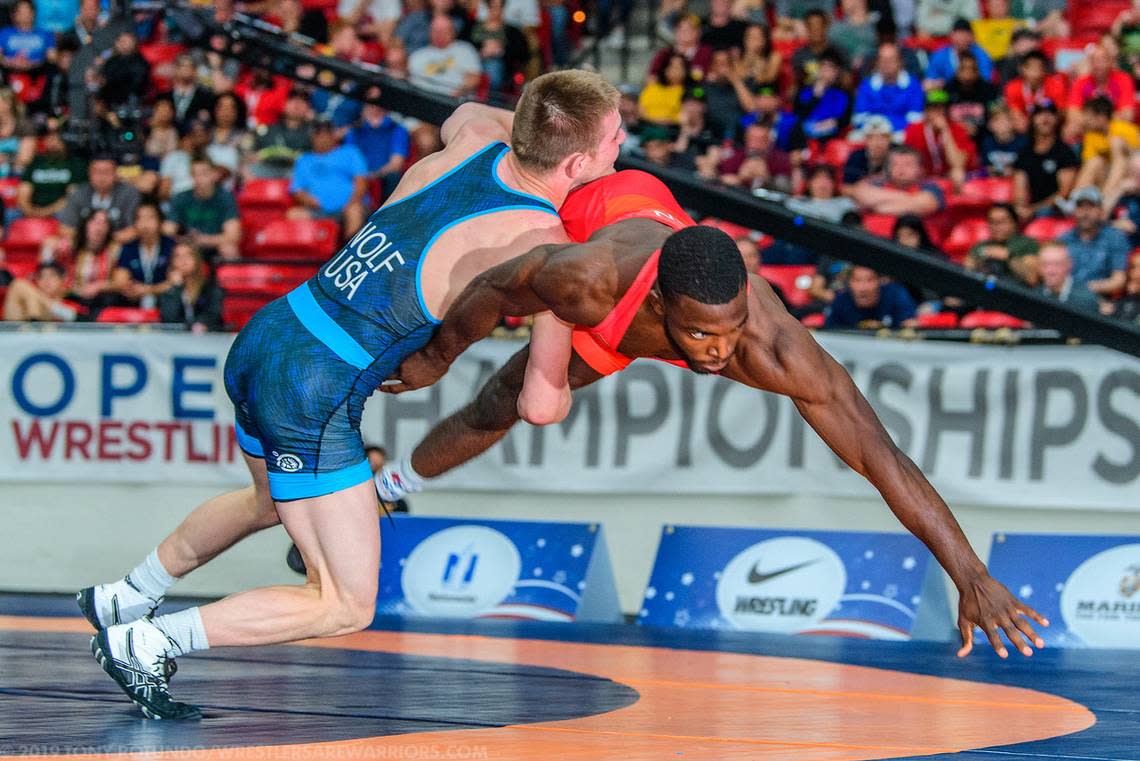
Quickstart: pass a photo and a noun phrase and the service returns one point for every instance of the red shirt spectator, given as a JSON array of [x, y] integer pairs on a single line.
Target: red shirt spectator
[[1033, 84], [944, 146], [1020, 94], [923, 137], [1103, 79], [264, 97]]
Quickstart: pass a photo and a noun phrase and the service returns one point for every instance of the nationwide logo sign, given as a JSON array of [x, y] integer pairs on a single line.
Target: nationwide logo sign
[[1100, 601], [461, 571], [787, 584]]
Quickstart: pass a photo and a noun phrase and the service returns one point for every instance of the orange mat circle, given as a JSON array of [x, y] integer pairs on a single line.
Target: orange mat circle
[[694, 705]]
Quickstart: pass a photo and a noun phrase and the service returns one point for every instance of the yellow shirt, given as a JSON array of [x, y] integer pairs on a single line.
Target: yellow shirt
[[994, 35], [1098, 143], [661, 103]]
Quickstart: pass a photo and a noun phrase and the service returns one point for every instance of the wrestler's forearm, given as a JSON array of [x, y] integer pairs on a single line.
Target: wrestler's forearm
[[498, 292], [471, 318], [848, 424], [920, 508]]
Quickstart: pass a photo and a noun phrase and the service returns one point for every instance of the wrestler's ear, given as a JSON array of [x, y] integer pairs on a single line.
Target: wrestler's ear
[[575, 165], [656, 302]]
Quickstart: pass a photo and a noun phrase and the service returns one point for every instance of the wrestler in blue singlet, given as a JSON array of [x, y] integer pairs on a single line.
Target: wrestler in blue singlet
[[300, 371]]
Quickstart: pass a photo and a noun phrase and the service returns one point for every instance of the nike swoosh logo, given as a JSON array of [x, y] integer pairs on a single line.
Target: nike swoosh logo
[[755, 577]]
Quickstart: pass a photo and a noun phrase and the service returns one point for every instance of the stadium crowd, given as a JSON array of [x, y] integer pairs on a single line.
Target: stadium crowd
[[1001, 137]]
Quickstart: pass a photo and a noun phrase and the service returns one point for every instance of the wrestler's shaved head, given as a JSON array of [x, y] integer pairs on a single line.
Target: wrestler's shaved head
[[702, 263]]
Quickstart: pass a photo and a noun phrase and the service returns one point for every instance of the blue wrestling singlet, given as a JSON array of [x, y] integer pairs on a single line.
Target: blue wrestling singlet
[[300, 371]]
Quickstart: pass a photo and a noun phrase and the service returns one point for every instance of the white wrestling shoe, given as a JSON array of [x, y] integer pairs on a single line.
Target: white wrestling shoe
[[117, 603], [135, 656], [392, 487]]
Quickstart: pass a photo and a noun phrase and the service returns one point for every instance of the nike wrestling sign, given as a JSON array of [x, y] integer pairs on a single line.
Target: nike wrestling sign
[[852, 584]]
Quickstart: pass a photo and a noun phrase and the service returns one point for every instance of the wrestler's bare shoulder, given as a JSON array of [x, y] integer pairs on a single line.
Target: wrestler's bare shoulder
[[634, 235]]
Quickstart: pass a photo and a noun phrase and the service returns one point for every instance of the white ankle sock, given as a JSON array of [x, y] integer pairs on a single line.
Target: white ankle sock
[[184, 630], [150, 577], [413, 481]]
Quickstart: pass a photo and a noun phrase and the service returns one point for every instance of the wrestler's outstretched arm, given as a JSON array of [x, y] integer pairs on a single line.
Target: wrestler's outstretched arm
[[779, 354], [575, 282]]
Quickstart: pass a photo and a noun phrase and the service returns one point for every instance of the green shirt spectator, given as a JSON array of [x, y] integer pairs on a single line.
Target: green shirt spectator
[[48, 179], [204, 215], [1006, 252], [207, 213]]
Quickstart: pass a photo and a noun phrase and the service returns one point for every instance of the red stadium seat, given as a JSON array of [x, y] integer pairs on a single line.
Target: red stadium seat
[[274, 193], [9, 187], [1048, 228], [3, 295], [26, 236], [991, 320], [251, 285], [263, 278], [938, 321], [132, 315], [794, 280], [813, 320], [964, 236], [882, 225], [259, 203], [992, 189], [22, 266], [837, 151], [297, 239], [238, 309], [1094, 19], [960, 208], [929, 44]]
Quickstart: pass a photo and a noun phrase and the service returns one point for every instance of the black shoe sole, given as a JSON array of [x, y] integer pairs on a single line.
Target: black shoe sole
[[101, 649], [85, 599]]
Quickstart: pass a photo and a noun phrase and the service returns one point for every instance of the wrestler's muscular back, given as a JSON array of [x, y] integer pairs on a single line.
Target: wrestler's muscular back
[[473, 246]]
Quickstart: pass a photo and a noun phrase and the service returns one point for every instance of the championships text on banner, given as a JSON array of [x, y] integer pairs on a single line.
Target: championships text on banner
[[1034, 426]]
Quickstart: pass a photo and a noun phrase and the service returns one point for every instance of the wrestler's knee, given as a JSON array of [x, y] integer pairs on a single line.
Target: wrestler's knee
[[347, 613], [496, 407]]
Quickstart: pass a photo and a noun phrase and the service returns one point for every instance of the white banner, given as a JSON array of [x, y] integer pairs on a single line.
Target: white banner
[[1033, 426]]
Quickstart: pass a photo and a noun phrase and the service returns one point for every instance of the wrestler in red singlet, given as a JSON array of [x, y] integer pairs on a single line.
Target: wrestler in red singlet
[[630, 194]]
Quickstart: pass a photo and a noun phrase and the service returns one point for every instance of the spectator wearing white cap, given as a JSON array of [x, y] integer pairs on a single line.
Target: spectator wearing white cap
[[870, 161]]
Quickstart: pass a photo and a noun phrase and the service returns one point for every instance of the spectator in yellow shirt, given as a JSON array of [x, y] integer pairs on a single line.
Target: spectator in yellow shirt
[[661, 97], [1106, 146], [995, 32]]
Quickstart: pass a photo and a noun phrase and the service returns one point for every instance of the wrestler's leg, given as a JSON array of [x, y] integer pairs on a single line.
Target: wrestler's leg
[[482, 423]]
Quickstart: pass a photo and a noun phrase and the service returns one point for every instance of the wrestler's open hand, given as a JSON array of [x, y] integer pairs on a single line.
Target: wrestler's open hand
[[986, 603], [420, 370]]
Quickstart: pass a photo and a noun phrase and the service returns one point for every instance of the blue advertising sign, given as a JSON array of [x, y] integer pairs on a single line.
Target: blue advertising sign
[[459, 568], [1087, 586], [845, 583]]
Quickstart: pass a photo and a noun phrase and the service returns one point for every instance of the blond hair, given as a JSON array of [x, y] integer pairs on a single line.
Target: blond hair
[[560, 114]]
